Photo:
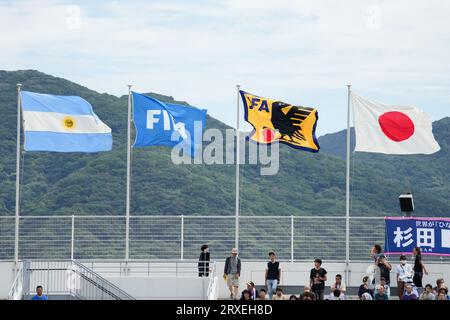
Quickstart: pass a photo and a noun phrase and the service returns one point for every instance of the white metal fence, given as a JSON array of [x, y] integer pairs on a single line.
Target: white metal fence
[[294, 238]]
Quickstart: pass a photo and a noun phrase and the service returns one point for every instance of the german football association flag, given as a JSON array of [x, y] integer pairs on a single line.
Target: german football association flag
[[274, 120]]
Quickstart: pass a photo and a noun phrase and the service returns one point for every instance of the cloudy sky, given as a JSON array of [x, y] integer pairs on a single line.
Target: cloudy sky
[[301, 52]]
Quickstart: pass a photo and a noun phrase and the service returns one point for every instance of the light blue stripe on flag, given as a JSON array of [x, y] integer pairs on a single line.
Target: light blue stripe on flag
[[32, 101], [67, 142]]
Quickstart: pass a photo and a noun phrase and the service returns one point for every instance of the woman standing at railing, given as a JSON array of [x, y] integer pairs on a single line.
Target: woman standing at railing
[[203, 261]]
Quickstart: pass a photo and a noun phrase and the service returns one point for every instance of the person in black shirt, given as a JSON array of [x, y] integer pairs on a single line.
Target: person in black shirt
[[385, 269], [364, 288], [273, 274], [317, 278], [203, 262], [419, 268]]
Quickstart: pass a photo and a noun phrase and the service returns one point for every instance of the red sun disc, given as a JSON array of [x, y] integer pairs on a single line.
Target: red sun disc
[[397, 126]]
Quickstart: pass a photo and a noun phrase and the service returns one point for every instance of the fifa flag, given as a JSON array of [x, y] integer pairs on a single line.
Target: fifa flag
[[62, 124], [167, 124], [274, 120], [391, 129]]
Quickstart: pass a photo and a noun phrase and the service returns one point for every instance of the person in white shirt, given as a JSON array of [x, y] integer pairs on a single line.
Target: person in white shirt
[[336, 295], [339, 285], [404, 275]]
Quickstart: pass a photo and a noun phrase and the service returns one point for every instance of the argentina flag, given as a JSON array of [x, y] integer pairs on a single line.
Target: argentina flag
[[62, 124], [167, 124]]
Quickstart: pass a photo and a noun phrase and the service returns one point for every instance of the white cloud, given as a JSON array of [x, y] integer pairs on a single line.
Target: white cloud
[[298, 51]]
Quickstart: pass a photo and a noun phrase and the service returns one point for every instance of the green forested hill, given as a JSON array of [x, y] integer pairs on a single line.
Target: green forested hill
[[307, 184]]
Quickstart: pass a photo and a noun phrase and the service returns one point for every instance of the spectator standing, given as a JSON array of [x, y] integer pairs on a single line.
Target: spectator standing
[[232, 273], [39, 294], [383, 270], [428, 294], [273, 274], [419, 268], [375, 253], [203, 261], [404, 275], [317, 277]]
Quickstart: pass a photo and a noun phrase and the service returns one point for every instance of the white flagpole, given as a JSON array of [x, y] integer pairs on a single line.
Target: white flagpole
[[127, 226], [236, 240], [18, 151], [347, 192]]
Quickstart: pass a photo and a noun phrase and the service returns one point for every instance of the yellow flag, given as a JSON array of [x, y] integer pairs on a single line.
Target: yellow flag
[[274, 120]]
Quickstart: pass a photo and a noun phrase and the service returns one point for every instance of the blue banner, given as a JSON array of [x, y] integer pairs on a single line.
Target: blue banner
[[432, 235], [166, 124]]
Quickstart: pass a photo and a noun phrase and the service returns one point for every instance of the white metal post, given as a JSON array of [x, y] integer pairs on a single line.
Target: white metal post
[[127, 222], [292, 239], [347, 192], [182, 237], [236, 240], [72, 239], [18, 151]]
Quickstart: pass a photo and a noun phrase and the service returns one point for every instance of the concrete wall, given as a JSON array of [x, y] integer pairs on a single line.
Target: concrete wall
[[6, 278], [160, 288]]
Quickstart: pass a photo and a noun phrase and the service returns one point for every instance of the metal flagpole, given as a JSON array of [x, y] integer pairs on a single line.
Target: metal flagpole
[[347, 193], [236, 240], [18, 151], [127, 227]]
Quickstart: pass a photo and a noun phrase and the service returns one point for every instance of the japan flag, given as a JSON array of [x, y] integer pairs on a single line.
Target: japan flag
[[391, 129]]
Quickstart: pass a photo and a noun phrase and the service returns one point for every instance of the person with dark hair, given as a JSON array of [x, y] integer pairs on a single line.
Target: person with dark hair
[[427, 294], [251, 288], [307, 296], [419, 268], [339, 285], [382, 270], [336, 295], [273, 274], [404, 275], [262, 295], [246, 296], [364, 288], [39, 295], [443, 294], [279, 294], [293, 297], [380, 294], [203, 261], [317, 277], [375, 253]]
